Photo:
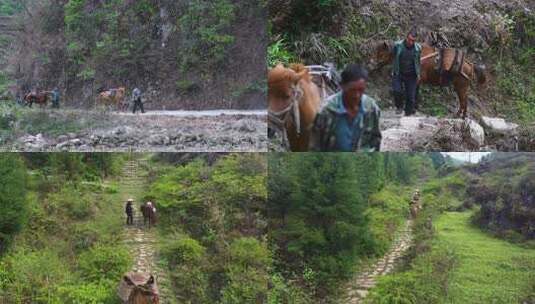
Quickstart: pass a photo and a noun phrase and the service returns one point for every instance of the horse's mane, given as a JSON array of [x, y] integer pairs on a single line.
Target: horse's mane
[[299, 68], [278, 79]]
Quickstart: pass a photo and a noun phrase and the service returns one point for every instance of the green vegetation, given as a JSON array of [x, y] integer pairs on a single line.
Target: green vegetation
[[212, 228], [13, 201], [387, 210], [176, 49], [514, 54], [64, 244], [489, 269], [10, 7], [455, 261], [330, 213]]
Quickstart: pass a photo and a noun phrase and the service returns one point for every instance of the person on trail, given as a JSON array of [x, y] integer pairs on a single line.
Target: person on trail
[[350, 120], [136, 95], [129, 210], [55, 98], [406, 72]]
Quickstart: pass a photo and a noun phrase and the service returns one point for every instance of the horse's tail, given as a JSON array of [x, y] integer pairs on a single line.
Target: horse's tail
[[480, 72]]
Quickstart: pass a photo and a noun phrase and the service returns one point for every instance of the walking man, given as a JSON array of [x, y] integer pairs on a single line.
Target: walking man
[[406, 74], [129, 212], [136, 95], [350, 120], [55, 98]]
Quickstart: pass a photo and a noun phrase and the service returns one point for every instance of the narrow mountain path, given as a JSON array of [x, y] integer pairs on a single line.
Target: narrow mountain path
[[359, 286], [141, 240]]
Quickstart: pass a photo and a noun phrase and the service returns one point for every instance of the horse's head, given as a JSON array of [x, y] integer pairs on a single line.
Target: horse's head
[[282, 83], [382, 55], [139, 288]]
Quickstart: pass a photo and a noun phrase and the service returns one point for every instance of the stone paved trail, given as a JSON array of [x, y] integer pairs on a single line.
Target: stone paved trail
[[359, 286], [142, 241]]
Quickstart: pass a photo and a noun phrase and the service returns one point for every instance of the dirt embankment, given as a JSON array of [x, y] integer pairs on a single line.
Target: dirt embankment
[[182, 54]]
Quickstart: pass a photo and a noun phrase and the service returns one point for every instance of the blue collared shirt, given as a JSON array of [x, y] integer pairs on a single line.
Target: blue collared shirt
[[347, 129]]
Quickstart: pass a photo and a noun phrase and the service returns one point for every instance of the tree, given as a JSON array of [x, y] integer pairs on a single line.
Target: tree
[[13, 203], [324, 230]]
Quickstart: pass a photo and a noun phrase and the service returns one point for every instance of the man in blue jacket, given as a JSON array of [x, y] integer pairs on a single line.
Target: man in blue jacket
[[406, 74]]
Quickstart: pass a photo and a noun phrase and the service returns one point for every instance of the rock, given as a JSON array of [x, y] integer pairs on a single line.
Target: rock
[[75, 142], [71, 135], [498, 125], [421, 133], [62, 138], [247, 126]]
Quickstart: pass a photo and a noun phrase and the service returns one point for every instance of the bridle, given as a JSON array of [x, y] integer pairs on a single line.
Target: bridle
[[291, 113]]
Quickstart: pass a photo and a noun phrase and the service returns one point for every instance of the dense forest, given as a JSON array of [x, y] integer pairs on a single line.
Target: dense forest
[[182, 54], [499, 34], [64, 240], [333, 215]]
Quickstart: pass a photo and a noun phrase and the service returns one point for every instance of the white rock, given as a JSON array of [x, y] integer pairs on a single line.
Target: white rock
[[498, 125]]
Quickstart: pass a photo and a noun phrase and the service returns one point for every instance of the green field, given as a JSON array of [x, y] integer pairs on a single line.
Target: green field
[[489, 270]]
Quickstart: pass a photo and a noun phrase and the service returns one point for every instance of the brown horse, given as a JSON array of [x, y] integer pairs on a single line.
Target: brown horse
[[149, 214], [138, 288], [38, 98], [430, 72], [113, 97], [293, 103]]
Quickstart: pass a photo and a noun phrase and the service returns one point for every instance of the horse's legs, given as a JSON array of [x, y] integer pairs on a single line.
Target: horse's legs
[[461, 87]]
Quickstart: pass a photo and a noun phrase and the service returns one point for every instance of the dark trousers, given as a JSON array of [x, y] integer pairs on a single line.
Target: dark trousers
[[55, 104], [129, 219], [408, 85], [138, 104]]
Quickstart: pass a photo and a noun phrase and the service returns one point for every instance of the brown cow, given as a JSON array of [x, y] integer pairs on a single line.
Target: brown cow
[[113, 97], [293, 103], [430, 72]]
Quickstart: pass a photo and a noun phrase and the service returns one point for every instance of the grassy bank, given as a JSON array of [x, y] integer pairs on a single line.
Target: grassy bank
[[489, 270]]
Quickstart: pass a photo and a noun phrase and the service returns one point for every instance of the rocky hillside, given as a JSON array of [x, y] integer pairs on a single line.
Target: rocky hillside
[[497, 33], [183, 54]]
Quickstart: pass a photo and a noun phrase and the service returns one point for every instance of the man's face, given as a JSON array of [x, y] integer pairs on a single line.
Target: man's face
[[410, 40], [355, 89]]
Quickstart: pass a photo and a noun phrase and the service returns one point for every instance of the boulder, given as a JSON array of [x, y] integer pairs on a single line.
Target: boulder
[[498, 125], [424, 133]]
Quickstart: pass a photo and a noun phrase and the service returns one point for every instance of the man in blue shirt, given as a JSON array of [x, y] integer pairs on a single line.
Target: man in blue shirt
[[406, 73], [350, 120], [55, 98]]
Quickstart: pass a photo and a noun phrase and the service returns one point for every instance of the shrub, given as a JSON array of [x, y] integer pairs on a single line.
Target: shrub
[[426, 283], [285, 293], [104, 263], [186, 261], [32, 277], [247, 272], [88, 293], [13, 203], [74, 202]]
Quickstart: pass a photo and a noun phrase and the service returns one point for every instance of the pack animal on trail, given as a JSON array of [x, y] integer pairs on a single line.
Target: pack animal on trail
[[149, 214], [293, 103], [432, 72], [113, 98], [138, 288], [415, 205], [40, 98]]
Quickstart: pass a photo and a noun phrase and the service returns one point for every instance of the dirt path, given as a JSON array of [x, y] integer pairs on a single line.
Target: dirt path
[[47, 130], [358, 287], [141, 240]]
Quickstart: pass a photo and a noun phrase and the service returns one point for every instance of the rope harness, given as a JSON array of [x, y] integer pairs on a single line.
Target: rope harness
[[289, 114]]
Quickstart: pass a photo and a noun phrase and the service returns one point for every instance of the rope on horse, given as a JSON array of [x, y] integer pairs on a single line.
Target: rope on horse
[[280, 118]]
